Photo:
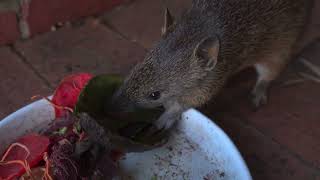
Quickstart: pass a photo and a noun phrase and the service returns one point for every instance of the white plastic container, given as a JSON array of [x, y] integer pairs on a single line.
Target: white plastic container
[[199, 150]]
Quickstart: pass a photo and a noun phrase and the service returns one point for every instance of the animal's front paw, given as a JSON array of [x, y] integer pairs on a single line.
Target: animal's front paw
[[167, 120], [259, 100], [259, 95], [164, 123]]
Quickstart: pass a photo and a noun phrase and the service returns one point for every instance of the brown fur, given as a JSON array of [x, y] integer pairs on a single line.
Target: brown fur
[[257, 33]]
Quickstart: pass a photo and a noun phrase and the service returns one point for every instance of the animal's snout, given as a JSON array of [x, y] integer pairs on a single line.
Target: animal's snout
[[120, 103]]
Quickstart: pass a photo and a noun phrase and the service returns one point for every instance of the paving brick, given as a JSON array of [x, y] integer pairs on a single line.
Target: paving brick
[[292, 119], [43, 14], [312, 29], [9, 27], [265, 158], [89, 48], [311, 52], [18, 83], [291, 116], [142, 20], [9, 5]]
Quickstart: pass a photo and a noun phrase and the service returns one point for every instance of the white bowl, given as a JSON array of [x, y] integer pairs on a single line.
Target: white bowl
[[198, 150]]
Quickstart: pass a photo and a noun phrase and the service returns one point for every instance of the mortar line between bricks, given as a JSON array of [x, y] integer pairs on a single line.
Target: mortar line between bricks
[[114, 29], [29, 65], [286, 149]]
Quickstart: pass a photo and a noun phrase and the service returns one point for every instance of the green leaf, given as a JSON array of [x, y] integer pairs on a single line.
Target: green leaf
[[97, 92], [154, 178], [131, 125], [77, 128], [61, 131]]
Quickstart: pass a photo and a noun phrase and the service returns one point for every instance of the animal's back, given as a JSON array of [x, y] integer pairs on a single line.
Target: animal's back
[[249, 29]]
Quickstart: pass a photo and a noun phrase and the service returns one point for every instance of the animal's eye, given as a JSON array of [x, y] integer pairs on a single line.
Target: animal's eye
[[155, 95]]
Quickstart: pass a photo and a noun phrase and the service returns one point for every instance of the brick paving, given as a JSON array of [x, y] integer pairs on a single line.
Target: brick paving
[[18, 83], [280, 141], [89, 48]]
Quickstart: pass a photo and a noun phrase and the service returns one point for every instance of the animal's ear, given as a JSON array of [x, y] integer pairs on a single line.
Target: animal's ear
[[168, 21], [207, 51]]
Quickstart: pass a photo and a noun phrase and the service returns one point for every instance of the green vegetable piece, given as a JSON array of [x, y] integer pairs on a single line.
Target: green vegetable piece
[[94, 96], [154, 178], [61, 131], [94, 99], [77, 128]]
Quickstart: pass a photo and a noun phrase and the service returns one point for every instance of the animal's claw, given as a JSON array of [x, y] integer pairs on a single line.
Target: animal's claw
[[167, 120], [164, 123]]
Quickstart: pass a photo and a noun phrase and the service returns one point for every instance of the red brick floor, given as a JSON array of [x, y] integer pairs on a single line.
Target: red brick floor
[[279, 141]]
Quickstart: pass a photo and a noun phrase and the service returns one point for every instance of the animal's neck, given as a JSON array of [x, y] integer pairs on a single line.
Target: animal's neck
[[205, 88]]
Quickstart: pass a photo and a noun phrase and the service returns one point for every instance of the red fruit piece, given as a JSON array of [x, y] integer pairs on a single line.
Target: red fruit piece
[[37, 145], [68, 91]]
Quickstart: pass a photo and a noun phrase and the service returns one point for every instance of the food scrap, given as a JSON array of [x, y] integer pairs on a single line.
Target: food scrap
[[67, 93], [22, 155], [83, 141]]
